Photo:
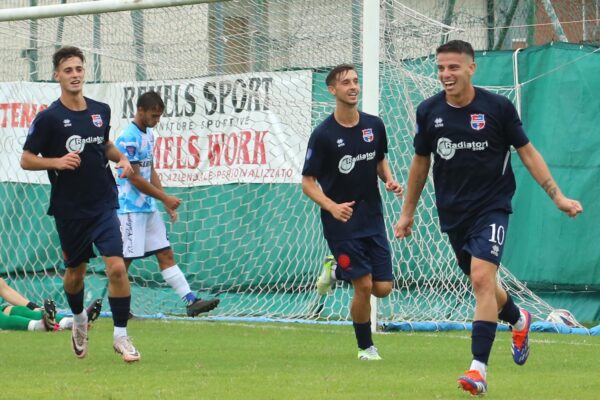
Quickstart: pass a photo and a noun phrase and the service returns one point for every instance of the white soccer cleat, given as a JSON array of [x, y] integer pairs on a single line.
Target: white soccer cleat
[[125, 348], [325, 282], [369, 354], [79, 339]]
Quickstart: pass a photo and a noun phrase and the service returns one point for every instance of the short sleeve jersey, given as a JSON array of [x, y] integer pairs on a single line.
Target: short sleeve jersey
[[471, 146], [344, 162], [137, 146], [90, 189]]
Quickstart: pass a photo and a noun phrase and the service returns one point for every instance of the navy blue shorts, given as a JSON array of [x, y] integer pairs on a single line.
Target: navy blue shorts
[[363, 256], [78, 235], [483, 238]]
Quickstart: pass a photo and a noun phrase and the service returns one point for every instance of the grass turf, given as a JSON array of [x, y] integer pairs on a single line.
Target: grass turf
[[218, 360]]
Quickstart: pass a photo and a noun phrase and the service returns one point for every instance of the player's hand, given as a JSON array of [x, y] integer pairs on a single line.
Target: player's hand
[[69, 161], [570, 207], [125, 166], [343, 211], [393, 186], [172, 214], [403, 227], [171, 202]]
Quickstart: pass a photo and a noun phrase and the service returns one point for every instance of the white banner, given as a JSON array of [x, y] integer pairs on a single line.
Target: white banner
[[249, 128]]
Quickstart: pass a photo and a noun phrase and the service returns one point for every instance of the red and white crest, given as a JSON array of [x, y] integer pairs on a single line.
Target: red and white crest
[[97, 120], [478, 121]]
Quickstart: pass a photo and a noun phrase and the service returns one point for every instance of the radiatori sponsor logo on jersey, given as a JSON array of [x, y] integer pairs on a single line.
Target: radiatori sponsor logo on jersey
[[77, 143], [347, 162], [446, 148]]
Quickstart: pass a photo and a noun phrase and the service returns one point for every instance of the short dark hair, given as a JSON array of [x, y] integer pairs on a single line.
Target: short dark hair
[[66, 52], [150, 101], [457, 46], [335, 73]]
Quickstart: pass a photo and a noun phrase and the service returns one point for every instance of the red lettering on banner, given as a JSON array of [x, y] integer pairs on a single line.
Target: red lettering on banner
[[3, 108], [259, 148], [244, 155], [178, 160], [194, 152], [19, 115], [230, 149], [233, 148], [16, 107], [215, 144], [175, 153], [156, 152], [168, 141]]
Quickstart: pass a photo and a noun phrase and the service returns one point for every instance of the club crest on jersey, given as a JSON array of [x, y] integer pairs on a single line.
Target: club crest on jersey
[[97, 120], [478, 121], [130, 150], [368, 135]]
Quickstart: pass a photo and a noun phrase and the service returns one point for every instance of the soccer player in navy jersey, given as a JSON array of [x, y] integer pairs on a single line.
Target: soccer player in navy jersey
[[344, 158], [143, 230], [70, 139], [470, 132]]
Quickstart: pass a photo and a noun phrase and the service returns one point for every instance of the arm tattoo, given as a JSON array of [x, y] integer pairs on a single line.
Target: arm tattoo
[[550, 187]]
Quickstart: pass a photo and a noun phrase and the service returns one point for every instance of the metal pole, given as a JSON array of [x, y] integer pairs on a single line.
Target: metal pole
[[90, 7], [137, 18], [97, 44], [370, 98], [555, 21]]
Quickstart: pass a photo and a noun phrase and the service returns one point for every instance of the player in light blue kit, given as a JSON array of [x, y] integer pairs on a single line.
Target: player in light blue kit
[[142, 227]]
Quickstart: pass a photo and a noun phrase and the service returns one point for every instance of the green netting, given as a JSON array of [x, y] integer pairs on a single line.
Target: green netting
[[219, 222]]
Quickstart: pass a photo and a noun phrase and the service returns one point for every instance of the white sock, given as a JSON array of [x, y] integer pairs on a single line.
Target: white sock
[[65, 323], [520, 324], [333, 267], [81, 318], [175, 278], [479, 366], [36, 325], [119, 332]]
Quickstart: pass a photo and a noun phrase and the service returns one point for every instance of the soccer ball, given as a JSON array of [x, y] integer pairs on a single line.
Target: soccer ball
[[561, 316]]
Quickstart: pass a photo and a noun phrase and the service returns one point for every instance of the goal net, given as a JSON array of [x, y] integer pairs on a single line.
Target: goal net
[[243, 83]]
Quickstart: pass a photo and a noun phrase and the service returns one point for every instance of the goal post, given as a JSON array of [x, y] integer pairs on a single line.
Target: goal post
[[90, 7], [243, 84]]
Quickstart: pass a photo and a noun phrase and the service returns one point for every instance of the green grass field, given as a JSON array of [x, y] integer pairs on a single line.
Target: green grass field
[[218, 360]]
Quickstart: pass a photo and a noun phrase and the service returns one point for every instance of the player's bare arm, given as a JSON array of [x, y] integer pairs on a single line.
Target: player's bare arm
[[170, 202], [539, 170], [417, 177], [385, 174], [122, 162], [341, 212], [33, 162], [151, 189]]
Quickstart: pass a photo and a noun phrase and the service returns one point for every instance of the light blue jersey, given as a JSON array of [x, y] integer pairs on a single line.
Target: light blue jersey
[[138, 147]]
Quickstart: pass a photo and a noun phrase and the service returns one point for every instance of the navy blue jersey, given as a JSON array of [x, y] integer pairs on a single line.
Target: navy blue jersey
[[344, 162], [471, 146], [90, 189]]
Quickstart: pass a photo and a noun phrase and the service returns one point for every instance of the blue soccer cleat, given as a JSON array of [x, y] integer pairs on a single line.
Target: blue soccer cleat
[[473, 382], [520, 341]]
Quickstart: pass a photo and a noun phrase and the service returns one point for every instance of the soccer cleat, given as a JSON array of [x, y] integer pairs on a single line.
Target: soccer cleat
[[324, 282], [49, 315], [125, 348], [93, 310], [201, 306], [520, 341], [369, 354], [473, 382], [79, 339]]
